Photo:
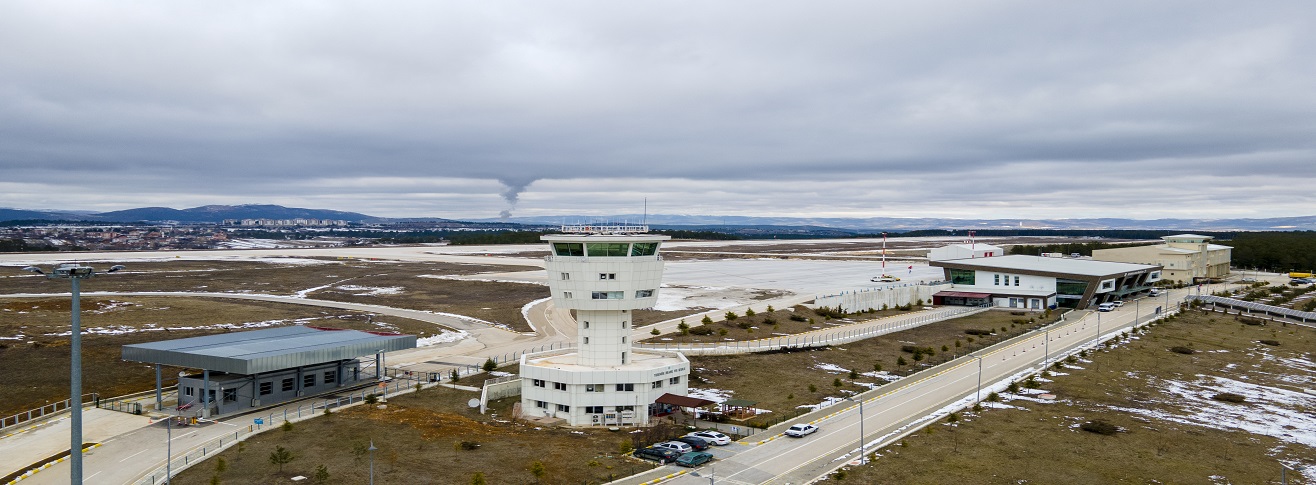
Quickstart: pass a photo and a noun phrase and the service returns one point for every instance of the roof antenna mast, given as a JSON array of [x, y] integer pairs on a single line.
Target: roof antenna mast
[[645, 218]]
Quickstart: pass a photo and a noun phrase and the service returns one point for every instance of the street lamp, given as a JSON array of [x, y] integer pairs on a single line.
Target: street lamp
[[74, 273], [372, 449], [862, 455], [1283, 472]]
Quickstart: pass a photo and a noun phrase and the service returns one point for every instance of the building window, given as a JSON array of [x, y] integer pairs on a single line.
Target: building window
[[308, 380], [586, 324], [643, 293], [608, 295], [541, 404], [560, 386], [569, 249], [537, 382], [625, 387], [624, 324], [674, 380], [623, 357], [564, 408], [586, 340], [286, 385], [266, 388], [607, 276], [594, 409], [644, 249], [623, 340], [566, 294], [656, 384], [608, 249], [187, 391], [331, 377], [963, 276], [230, 395], [625, 408], [594, 387], [996, 279], [1016, 281], [566, 276]]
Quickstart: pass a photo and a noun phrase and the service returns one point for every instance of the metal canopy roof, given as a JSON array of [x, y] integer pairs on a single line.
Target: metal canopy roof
[[1018, 262], [267, 350]]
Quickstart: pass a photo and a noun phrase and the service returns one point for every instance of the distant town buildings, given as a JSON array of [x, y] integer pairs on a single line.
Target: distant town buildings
[[286, 222]]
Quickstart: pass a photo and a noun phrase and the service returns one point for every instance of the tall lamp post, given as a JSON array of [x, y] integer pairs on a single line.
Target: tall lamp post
[[74, 273], [862, 455], [372, 461]]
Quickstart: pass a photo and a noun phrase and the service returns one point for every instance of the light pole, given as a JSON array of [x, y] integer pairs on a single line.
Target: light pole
[[74, 273], [1046, 349], [1283, 472], [372, 449], [862, 455], [978, 392], [169, 449]]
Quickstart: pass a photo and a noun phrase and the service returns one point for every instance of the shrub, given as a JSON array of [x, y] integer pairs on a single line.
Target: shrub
[[813, 388], [702, 330], [918, 357], [625, 447], [977, 331], [1251, 321], [953, 418], [1032, 383], [287, 426], [1179, 349], [1013, 389], [993, 397], [321, 474], [854, 374], [722, 332], [749, 312], [1272, 343], [371, 399], [707, 320], [877, 367], [1100, 427], [1229, 397], [654, 332], [731, 316], [478, 479], [945, 348], [465, 445], [770, 321], [795, 317], [837, 382], [770, 310], [901, 361], [683, 325], [490, 365]]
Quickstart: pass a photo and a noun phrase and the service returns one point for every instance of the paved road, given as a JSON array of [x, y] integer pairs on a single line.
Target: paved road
[[889, 411]]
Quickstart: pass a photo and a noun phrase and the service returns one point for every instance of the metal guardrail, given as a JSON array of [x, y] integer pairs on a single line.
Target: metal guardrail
[[814, 339], [43, 411]]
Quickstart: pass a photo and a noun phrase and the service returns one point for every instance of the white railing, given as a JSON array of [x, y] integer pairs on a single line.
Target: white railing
[[43, 411], [817, 338]]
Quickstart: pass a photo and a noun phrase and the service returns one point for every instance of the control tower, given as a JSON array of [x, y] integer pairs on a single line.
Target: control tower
[[603, 273]]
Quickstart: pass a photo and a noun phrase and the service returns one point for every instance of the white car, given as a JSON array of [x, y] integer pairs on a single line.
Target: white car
[[800, 430], [676, 446], [1117, 303], [713, 437], [886, 278], [1106, 307]]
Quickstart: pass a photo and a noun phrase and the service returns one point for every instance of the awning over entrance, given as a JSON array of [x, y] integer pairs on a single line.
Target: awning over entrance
[[683, 401], [962, 294]]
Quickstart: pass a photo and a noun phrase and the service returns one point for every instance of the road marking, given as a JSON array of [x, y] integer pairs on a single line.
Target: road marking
[[128, 458]]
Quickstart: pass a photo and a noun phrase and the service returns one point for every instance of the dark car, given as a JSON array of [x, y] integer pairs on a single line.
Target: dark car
[[699, 444], [694, 459], [659, 454]]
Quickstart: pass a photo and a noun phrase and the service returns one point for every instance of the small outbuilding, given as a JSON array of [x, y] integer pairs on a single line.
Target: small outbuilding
[[245, 370]]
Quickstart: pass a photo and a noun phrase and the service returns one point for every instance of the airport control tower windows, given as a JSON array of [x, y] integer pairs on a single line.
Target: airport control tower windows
[[644, 249], [569, 249], [608, 249]]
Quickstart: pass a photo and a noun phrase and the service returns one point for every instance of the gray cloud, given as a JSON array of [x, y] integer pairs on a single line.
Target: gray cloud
[[853, 108]]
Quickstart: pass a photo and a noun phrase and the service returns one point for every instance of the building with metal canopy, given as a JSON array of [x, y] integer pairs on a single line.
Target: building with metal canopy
[[244, 370], [1033, 282]]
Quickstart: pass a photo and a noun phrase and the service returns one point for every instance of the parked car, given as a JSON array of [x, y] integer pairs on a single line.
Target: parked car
[[801, 430], [699, 444], [694, 459], [676, 446], [1155, 292], [886, 278], [1117, 303], [660, 454], [1106, 307], [713, 437]]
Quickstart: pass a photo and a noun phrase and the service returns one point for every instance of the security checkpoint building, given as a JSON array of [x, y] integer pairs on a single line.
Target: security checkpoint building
[[245, 370], [603, 273]]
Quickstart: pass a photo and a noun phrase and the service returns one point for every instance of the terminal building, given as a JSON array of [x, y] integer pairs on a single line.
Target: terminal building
[[1187, 258], [602, 274], [1034, 282], [240, 371]]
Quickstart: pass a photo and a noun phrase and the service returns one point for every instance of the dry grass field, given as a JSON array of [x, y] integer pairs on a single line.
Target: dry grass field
[[34, 342], [1173, 426], [412, 285], [765, 324], [418, 437], [781, 382]]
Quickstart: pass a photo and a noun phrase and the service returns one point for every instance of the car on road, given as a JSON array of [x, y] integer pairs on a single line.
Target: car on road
[[694, 459], [1117, 303], [801, 430], [660, 454], [1106, 307], [713, 437], [1154, 292], [676, 446], [699, 444], [886, 278]]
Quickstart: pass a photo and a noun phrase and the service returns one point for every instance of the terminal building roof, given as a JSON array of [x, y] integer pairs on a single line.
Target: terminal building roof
[[1038, 264], [267, 350]]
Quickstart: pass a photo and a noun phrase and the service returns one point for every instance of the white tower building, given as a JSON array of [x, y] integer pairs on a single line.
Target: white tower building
[[603, 273]]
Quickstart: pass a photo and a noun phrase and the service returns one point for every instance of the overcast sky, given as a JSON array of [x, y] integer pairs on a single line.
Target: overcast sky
[[967, 109]]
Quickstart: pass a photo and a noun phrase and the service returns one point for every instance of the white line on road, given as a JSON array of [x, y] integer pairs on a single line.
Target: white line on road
[[128, 458]]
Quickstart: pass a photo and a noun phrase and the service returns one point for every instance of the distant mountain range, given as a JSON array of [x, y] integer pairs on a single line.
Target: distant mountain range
[[218, 213]]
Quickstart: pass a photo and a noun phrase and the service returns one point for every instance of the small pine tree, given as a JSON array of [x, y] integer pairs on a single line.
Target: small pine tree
[[538, 470], [977, 407], [707, 320], [625, 446], [489, 365], [321, 474], [854, 374], [957, 343], [770, 310], [683, 325], [654, 332], [945, 348], [900, 361], [281, 456], [478, 479], [918, 356], [837, 382], [453, 375], [813, 388], [214, 479], [993, 397], [722, 332], [1013, 389], [790, 396], [877, 367], [749, 312], [953, 418], [287, 426]]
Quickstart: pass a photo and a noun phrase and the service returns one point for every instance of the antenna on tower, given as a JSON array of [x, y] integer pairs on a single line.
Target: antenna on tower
[[645, 219]]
